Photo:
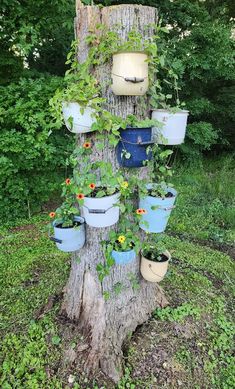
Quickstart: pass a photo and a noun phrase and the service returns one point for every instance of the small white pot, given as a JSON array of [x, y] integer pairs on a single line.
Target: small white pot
[[101, 212], [130, 74], [173, 129], [154, 271], [81, 122]]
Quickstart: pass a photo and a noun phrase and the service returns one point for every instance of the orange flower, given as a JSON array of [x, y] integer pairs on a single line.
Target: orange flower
[[52, 214], [141, 211], [80, 196], [87, 145], [92, 186], [68, 181]]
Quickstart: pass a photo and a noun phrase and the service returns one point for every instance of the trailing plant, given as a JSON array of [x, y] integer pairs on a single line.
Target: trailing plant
[[154, 250], [67, 211]]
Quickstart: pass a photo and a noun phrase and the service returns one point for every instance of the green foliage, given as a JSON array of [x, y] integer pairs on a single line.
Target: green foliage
[[177, 314], [38, 33], [30, 153]]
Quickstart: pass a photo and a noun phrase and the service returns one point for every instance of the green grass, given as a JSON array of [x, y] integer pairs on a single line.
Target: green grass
[[206, 201], [199, 286]]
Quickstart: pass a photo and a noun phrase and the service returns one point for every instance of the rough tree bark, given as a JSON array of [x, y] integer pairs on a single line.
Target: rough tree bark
[[108, 323]]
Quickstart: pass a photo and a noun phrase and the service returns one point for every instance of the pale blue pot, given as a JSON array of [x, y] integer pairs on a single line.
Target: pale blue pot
[[157, 219], [123, 257], [69, 239]]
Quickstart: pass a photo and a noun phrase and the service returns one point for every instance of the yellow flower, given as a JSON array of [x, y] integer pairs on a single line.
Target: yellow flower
[[121, 239], [124, 184]]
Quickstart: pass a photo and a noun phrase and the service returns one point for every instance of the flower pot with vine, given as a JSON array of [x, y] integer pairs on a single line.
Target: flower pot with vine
[[133, 148], [77, 118], [122, 247], [101, 211], [158, 206], [130, 73], [173, 126], [68, 225], [69, 238], [154, 263], [78, 102]]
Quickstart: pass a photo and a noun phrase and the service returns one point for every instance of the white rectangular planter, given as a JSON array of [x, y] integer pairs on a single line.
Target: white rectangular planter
[[174, 126], [81, 122], [101, 212]]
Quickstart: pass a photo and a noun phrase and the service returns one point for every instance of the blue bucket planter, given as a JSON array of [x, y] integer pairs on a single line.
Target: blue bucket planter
[[69, 239], [134, 141], [123, 257], [157, 219]]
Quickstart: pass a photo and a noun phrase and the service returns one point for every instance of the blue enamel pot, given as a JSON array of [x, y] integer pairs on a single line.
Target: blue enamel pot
[[123, 257], [132, 149], [69, 239], [158, 211]]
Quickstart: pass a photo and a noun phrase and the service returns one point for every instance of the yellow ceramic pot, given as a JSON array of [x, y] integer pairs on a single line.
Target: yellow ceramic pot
[[130, 74], [154, 271]]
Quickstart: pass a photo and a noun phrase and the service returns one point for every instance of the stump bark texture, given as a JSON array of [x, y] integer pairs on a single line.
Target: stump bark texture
[[107, 323]]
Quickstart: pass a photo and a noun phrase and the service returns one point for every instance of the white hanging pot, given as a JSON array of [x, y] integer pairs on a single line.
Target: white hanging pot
[[75, 120], [101, 212], [154, 271], [69, 239], [130, 74], [174, 126]]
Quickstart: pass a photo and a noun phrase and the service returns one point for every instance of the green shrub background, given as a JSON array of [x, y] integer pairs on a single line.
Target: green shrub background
[[34, 42]]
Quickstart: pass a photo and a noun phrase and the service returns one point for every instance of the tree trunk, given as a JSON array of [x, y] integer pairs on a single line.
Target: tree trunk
[[107, 323]]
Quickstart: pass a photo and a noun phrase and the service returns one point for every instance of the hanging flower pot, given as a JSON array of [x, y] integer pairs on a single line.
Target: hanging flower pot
[[133, 148], [154, 271], [130, 74], [123, 257], [173, 127], [78, 119], [69, 239], [158, 210], [101, 212]]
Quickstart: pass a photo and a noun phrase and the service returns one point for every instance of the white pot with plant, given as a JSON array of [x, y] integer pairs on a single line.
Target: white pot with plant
[[99, 198], [154, 261], [78, 103], [68, 225]]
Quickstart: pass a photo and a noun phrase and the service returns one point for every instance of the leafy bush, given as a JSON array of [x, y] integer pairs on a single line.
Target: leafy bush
[[32, 158]]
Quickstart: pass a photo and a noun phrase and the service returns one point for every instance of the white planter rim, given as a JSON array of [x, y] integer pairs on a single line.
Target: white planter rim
[[181, 111], [102, 198], [79, 219], [130, 52]]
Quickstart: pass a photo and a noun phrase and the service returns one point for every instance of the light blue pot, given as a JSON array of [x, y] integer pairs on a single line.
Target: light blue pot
[[123, 257], [157, 219], [69, 239]]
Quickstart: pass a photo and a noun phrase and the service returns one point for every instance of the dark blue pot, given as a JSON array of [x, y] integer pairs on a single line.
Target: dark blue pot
[[134, 141]]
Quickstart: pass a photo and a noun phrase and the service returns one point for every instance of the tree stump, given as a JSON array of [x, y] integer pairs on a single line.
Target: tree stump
[[107, 323]]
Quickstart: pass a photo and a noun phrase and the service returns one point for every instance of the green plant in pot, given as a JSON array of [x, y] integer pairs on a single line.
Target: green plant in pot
[[122, 247], [154, 260], [68, 225], [100, 187], [78, 103], [134, 147], [157, 197], [167, 109]]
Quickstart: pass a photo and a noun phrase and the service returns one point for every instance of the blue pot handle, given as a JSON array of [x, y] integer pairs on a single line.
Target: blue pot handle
[[151, 142], [55, 239]]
